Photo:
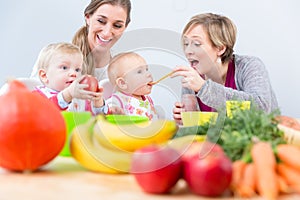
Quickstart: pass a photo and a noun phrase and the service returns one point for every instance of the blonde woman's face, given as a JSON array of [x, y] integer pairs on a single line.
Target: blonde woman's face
[[106, 26], [199, 50]]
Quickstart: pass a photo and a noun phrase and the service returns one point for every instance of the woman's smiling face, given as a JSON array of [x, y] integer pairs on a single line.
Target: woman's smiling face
[[106, 26]]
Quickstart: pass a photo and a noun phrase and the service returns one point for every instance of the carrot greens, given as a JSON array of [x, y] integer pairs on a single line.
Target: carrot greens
[[236, 134]]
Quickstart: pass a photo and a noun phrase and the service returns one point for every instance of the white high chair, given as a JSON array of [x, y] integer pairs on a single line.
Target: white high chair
[[30, 83], [108, 89]]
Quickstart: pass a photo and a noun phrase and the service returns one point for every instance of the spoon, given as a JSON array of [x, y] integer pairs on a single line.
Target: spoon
[[162, 78]]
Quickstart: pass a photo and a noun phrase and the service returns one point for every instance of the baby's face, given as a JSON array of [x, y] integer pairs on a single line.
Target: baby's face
[[63, 70], [137, 77]]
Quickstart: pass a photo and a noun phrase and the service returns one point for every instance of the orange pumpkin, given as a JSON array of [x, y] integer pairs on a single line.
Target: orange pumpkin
[[32, 129]]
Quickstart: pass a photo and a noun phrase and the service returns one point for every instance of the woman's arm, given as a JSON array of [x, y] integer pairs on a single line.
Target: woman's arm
[[252, 83]]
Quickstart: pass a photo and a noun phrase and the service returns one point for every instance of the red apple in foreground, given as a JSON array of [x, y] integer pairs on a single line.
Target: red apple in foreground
[[208, 172], [202, 148], [92, 83], [156, 169]]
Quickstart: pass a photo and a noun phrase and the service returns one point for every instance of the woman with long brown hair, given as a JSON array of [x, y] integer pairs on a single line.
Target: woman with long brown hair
[[105, 22]]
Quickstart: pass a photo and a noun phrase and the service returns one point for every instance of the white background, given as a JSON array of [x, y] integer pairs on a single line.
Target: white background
[[268, 29]]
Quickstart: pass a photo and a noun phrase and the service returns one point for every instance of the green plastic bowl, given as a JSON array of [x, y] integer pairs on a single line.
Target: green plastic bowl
[[125, 119], [72, 119]]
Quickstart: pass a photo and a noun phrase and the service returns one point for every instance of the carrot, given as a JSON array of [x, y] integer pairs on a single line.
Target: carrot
[[291, 175], [265, 166], [237, 172], [246, 188], [289, 154], [282, 184], [295, 188]]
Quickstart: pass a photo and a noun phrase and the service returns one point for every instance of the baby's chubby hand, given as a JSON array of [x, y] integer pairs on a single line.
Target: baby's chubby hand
[[98, 97], [77, 90]]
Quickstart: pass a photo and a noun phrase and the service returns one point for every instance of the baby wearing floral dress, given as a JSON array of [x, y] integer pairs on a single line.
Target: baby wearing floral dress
[[129, 74]]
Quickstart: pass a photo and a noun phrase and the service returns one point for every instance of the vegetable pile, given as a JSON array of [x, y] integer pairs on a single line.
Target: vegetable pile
[[236, 135], [269, 174], [263, 163]]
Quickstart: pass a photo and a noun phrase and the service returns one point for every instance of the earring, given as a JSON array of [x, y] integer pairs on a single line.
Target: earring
[[219, 61]]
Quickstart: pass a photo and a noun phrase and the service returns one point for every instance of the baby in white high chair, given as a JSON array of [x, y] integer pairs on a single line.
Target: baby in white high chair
[[131, 78]]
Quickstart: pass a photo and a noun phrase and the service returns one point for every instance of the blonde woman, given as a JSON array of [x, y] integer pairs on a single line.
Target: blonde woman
[[216, 74]]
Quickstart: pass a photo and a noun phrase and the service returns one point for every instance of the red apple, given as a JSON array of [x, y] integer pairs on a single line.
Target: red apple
[[196, 148], [207, 172], [92, 83], [156, 169]]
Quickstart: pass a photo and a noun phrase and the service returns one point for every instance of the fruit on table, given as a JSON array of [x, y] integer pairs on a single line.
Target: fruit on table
[[199, 148], [208, 172], [133, 136], [32, 129], [92, 155], [156, 169], [184, 143], [91, 81]]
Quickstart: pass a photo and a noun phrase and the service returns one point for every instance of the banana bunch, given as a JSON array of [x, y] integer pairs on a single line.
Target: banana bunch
[[130, 137], [104, 147], [93, 155]]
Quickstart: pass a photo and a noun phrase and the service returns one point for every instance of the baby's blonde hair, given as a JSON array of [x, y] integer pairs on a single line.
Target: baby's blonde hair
[[47, 53], [114, 70]]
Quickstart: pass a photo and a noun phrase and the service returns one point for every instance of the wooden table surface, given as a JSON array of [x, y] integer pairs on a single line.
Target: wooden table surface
[[64, 179]]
